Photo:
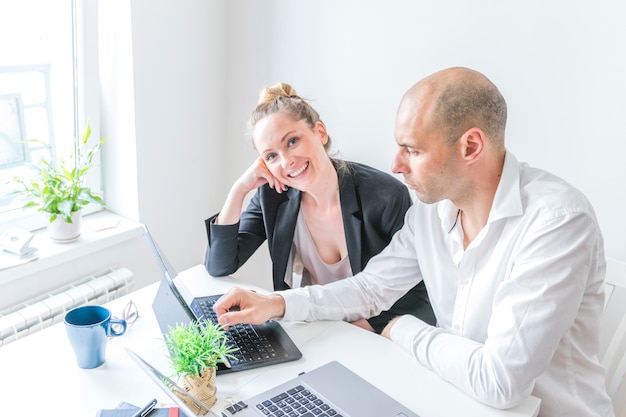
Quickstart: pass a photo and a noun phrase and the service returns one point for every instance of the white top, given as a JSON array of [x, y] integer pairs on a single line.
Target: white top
[[313, 269], [518, 311]]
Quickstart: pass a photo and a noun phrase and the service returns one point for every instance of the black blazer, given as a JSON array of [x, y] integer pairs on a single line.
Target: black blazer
[[373, 205]]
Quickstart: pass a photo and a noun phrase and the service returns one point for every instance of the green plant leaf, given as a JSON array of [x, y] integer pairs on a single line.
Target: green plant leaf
[[58, 189], [195, 347]]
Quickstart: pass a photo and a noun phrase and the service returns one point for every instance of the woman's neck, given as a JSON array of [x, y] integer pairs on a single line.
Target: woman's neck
[[326, 190]]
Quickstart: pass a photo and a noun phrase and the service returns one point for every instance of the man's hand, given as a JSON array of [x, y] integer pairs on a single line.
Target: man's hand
[[387, 330], [245, 306]]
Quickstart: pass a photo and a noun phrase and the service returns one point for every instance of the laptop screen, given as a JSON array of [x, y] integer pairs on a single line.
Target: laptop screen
[[164, 265], [169, 305], [256, 345]]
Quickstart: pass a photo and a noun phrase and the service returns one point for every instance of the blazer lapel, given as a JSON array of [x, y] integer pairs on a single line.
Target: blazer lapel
[[285, 226], [352, 220]]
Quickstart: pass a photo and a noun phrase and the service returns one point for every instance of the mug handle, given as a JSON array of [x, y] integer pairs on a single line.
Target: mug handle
[[115, 330]]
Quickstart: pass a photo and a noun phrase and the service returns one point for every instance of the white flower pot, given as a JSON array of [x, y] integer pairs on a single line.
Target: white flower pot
[[63, 232]]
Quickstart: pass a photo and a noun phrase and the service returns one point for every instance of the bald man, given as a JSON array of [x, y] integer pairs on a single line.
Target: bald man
[[512, 258]]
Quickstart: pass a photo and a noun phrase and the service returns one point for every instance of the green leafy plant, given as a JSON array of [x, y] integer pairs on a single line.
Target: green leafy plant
[[59, 188], [194, 348]]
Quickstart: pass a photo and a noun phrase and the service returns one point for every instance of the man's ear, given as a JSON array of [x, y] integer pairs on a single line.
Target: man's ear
[[472, 144]]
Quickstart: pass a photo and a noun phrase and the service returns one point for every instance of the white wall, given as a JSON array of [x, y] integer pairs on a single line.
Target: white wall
[[163, 90], [179, 90], [560, 65], [197, 67]]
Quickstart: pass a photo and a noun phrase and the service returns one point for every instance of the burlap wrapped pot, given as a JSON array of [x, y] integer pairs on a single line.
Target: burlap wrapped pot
[[202, 388]]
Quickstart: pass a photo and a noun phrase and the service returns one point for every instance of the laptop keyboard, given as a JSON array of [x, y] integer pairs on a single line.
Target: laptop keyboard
[[251, 346], [297, 402]]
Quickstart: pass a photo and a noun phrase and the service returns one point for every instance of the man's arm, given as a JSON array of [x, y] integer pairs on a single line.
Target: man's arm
[[387, 277], [244, 306]]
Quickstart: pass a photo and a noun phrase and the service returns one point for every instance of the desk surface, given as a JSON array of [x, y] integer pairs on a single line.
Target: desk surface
[[39, 372]]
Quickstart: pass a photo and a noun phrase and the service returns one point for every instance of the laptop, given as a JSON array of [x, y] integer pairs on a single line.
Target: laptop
[[258, 345], [329, 390]]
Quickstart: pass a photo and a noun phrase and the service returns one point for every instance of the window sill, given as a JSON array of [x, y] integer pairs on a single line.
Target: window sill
[[92, 240]]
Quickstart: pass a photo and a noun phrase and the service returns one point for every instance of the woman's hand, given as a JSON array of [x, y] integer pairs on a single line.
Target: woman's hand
[[244, 306], [254, 177], [257, 175]]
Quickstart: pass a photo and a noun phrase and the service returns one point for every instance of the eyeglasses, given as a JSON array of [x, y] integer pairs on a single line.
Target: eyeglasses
[[129, 314]]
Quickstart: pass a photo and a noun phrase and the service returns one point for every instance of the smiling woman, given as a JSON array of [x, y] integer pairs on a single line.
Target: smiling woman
[[323, 217]]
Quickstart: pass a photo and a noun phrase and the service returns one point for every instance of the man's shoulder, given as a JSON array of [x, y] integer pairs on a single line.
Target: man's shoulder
[[543, 188]]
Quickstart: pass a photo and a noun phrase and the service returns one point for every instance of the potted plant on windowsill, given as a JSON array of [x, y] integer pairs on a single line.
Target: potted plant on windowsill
[[195, 350], [58, 188]]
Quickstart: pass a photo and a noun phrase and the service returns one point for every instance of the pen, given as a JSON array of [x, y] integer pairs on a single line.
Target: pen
[[146, 409]]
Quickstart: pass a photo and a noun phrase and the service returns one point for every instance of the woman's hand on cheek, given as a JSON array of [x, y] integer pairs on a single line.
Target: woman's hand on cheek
[[255, 176], [260, 174]]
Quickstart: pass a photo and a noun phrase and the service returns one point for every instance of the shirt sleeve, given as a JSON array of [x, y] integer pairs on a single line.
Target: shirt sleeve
[[387, 277], [230, 246]]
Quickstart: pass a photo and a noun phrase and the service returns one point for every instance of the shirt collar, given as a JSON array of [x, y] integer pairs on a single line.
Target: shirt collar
[[506, 203], [508, 200], [448, 214]]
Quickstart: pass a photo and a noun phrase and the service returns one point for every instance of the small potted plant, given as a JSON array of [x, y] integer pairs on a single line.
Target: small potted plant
[[58, 188], [195, 350]]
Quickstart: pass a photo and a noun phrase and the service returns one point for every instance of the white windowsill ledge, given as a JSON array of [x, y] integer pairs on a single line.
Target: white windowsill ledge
[[91, 240]]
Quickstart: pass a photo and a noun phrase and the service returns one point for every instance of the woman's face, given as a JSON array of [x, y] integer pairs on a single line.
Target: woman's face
[[292, 151]]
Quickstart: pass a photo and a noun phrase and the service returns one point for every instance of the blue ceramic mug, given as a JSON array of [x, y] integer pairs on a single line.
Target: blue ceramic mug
[[89, 328]]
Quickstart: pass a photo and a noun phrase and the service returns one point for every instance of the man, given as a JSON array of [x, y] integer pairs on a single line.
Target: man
[[512, 258]]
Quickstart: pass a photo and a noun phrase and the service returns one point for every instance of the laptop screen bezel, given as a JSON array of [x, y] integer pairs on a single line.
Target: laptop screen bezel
[[158, 377], [168, 273]]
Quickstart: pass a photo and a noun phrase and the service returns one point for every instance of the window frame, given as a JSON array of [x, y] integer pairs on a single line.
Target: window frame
[[86, 107]]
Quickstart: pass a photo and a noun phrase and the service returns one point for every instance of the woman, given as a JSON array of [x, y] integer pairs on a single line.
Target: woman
[[324, 218]]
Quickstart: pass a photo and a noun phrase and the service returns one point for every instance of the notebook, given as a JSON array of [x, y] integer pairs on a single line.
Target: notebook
[[329, 390], [258, 345]]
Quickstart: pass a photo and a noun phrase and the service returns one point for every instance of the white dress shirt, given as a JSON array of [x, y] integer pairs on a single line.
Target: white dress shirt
[[518, 311]]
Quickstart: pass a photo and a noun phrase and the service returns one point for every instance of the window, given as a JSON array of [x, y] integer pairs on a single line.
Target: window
[[41, 89]]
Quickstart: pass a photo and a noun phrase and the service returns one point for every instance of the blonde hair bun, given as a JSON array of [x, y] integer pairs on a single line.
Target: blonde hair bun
[[269, 94]]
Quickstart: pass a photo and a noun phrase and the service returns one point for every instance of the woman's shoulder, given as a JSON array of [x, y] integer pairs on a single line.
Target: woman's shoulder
[[379, 191]]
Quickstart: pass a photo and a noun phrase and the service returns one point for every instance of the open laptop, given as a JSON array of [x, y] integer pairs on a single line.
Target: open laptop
[[258, 345], [330, 390]]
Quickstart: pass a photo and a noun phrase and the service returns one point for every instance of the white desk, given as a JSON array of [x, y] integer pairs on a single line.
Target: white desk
[[39, 372]]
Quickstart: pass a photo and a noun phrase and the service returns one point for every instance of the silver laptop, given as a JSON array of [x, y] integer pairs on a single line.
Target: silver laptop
[[330, 390]]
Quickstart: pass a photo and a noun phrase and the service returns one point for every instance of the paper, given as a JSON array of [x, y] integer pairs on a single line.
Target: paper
[[98, 225]]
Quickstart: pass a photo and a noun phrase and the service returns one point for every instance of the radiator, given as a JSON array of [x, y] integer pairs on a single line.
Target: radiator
[[45, 310]]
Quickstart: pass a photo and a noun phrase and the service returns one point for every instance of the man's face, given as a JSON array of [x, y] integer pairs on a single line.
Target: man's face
[[424, 157]]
